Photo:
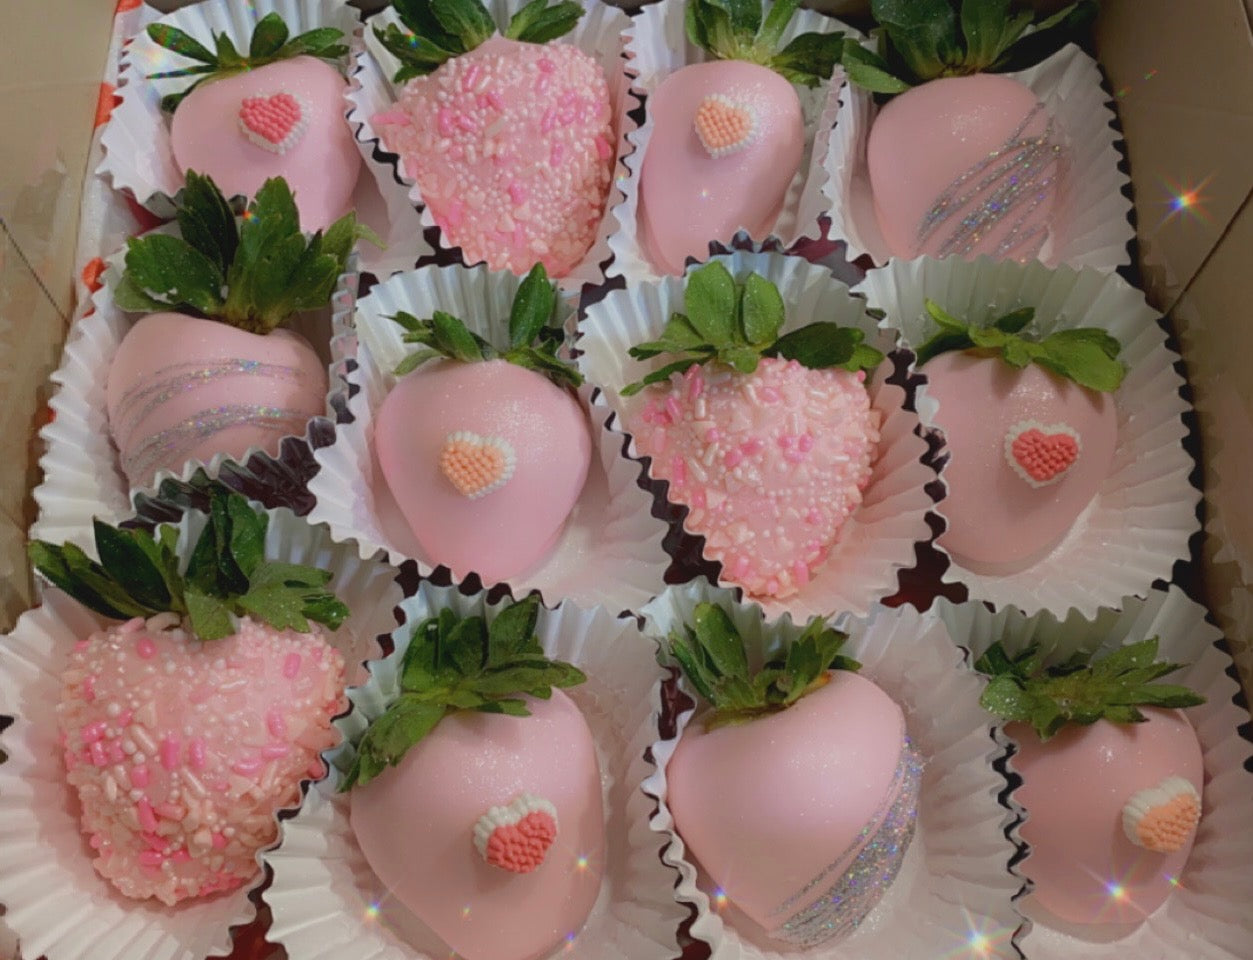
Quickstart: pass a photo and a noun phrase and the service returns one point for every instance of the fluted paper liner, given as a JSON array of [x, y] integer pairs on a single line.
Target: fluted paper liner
[[1093, 228], [326, 902], [954, 888], [1139, 523], [1207, 916], [599, 34], [656, 47], [609, 552], [55, 902], [879, 538]]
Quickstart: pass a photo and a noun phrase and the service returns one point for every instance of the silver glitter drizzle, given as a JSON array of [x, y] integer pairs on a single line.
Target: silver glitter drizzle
[[171, 446], [1013, 180], [842, 905]]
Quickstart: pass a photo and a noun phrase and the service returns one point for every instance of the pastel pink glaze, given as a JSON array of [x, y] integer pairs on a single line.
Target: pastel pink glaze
[[415, 825], [512, 146], [321, 167], [926, 138], [769, 805], [172, 755], [513, 527], [1074, 789], [175, 378], [687, 197], [997, 522]]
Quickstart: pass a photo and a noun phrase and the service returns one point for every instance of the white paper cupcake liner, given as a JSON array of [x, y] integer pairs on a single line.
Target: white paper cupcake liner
[[327, 903], [609, 552], [139, 158], [657, 46], [57, 904], [1207, 917], [599, 33], [954, 889], [1139, 523], [82, 475], [880, 537], [1093, 208]]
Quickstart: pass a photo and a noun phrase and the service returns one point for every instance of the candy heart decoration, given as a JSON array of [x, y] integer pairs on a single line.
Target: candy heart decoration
[[517, 837], [275, 123], [723, 125], [1163, 818], [1042, 453], [476, 465]]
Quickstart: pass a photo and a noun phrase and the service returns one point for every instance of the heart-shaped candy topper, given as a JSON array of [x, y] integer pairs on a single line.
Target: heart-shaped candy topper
[[1042, 453], [1162, 818], [275, 123], [517, 837], [476, 465], [724, 126]]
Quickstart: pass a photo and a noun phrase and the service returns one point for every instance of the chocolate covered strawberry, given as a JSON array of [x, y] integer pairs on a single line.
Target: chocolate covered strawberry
[[275, 111], [187, 727], [795, 784], [962, 160], [495, 800], [728, 134], [487, 450], [1030, 426], [510, 138], [1112, 777], [767, 439], [218, 376]]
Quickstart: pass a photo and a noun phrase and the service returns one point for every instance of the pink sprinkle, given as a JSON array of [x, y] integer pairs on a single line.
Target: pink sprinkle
[[770, 394], [93, 731], [196, 753], [96, 841], [861, 376], [548, 122], [89, 688], [733, 459], [786, 441], [154, 841], [169, 752], [546, 65], [116, 753], [712, 435], [793, 456], [567, 117], [99, 757], [81, 646], [471, 76], [800, 573], [495, 100], [315, 769], [751, 446], [741, 568], [291, 666], [542, 83], [275, 723], [150, 858], [695, 383], [391, 118], [275, 751], [180, 856], [557, 154], [567, 98], [444, 121], [170, 812], [517, 192], [481, 101], [698, 499], [455, 213], [219, 841], [146, 648], [672, 409], [814, 516], [678, 470], [465, 123], [247, 768], [140, 777], [124, 718], [806, 443], [147, 819]]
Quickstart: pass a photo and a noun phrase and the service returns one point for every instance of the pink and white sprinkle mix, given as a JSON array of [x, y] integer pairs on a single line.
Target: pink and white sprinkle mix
[[182, 752], [771, 464]]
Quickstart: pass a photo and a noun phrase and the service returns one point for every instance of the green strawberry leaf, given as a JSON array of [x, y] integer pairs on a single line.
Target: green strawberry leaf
[[276, 604], [467, 20], [538, 22], [990, 29], [207, 222], [868, 70], [512, 633], [169, 270], [1067, 25], [177, 41], [406, 722], [810, 58], [533, 307], [142, 579], [418, 55], [922, 32], [763, 311], [268, 36], [710, 300], [776, 23], [209, 616]]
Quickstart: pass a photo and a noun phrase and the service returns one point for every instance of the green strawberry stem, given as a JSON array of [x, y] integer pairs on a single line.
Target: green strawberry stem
[[742, 30], [1081, 690], [922, 40], [269, 44], [224, 576], [712, 656], [461, 663], [534, 339], [1086, 355], [439, 30], [738, 324]]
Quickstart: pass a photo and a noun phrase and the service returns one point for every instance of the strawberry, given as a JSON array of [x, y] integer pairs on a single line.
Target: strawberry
[[277, 111], [1112, 792], [760, 788], [961, 161], [486, 451], [496, 784], [728, 134], [183, 387], [510, 138], [771, 449], [187, 727], [1031, 428]]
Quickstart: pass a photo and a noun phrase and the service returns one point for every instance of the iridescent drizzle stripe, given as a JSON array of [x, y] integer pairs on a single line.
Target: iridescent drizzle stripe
[[1013, 180], [841, 905]]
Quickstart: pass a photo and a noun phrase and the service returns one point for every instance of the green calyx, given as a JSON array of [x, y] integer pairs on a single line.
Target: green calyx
[[1086, 355], [533, 338], [269, 44], [921, 40], [1080, 691], [226, 575], [252, 275], [739, 30], [738, 324], [711, 654], [461, 663], [442, 29]]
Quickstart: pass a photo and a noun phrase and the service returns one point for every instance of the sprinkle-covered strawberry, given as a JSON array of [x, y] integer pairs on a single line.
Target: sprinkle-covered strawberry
[[728, 133], [510, 138], [187, 726], [218, 377], [496, 781], [760, 787], [487, 450], [1030, 426], [962, 160], [275, 111], [1112, 777], [767, 439]]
